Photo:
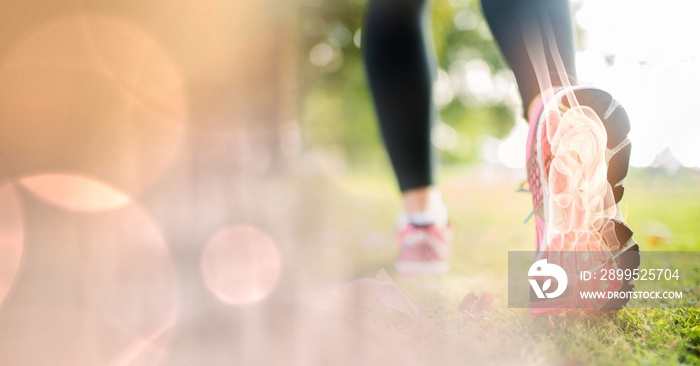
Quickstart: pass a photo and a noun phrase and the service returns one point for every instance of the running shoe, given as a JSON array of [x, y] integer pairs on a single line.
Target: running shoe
[[424, 249], [577, 158]]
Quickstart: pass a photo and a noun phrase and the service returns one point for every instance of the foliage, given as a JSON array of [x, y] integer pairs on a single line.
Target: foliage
[[336, 109]]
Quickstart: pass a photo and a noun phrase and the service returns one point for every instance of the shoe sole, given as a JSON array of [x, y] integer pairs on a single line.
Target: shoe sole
[[579, 194], [590, 159]]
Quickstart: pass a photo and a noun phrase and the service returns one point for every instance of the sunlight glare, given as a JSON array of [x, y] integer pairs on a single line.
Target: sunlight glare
[[75, 192]]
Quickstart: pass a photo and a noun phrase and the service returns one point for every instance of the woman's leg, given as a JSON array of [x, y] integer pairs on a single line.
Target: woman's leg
[[399, 58], [578, 156], [399, 61], [524, 27]]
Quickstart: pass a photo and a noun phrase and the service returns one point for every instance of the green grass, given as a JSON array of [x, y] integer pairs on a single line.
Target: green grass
[[489, 217]]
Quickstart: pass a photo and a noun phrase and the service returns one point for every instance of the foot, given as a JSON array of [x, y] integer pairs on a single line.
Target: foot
[[577, 157], [424, 249]]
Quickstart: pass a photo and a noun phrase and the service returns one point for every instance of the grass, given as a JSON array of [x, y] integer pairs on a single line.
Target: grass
[[663, 209]]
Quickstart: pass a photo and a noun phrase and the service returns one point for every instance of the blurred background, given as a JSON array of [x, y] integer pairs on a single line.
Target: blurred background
[[634, 49], [202, 183]]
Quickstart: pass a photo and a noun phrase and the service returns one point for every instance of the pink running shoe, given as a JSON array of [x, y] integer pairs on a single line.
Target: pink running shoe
[[577, 157], [424, 249]]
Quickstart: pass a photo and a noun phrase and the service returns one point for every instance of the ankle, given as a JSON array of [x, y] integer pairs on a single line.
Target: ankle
[[423, 206], [536, 104]]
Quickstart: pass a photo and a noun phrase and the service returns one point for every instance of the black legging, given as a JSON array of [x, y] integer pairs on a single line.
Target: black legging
[[400, 64]]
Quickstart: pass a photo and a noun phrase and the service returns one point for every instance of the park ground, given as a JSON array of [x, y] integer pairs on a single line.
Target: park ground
[[434, 326]]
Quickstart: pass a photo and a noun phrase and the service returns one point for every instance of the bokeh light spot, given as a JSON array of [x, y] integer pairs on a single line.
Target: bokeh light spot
[[74, 98], [74, 192], [241, 265], [322, 54]]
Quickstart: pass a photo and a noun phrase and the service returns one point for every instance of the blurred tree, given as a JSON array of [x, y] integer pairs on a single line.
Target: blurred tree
[[475, 92]]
